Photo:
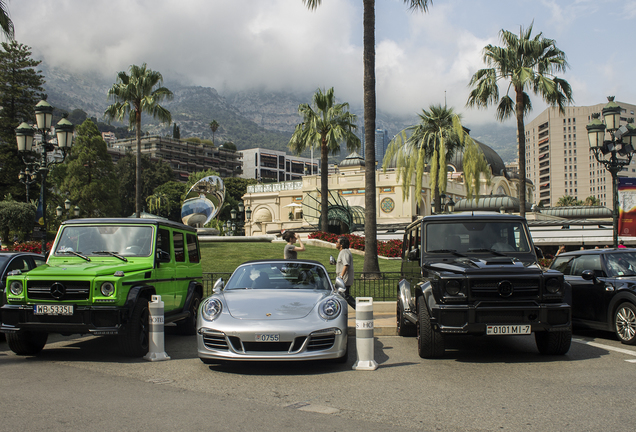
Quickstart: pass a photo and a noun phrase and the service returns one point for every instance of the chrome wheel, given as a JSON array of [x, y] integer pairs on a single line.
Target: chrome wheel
[[625, 323]]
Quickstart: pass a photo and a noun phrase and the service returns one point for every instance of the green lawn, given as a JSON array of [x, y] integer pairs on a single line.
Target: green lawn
[[225, 257]]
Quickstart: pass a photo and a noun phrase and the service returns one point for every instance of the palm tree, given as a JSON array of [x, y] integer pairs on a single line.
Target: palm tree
[[326, 126], [568, 201], [371, 265], [529, 64], [214, 126], [592, 201], [435, 140], [5, 22], [134, 94]]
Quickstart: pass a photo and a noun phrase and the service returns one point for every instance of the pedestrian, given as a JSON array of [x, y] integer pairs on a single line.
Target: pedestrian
[[291, 250], [561, 249], [344, 267], [621, 245]]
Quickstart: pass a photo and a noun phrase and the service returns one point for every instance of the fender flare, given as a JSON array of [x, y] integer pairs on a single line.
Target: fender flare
[[193, 287], [134, 294], [404, 295]]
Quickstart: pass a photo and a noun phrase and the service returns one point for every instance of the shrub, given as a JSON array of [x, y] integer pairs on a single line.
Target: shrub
[[389, 248]]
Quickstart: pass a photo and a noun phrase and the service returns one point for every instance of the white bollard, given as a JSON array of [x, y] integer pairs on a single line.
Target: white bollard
[[364, 334], [156, 336]]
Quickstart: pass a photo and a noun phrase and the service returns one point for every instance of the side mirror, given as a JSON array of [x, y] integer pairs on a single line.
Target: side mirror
[[340, 286], [163, 257], [332, 260], [218, 286], [589, 275], [539, 252]]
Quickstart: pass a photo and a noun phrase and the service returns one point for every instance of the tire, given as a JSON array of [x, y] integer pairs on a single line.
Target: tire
[[188, 326], [625, 323], [27, 343], [430, 344], [403, 328], [553, 343], [135, 338]]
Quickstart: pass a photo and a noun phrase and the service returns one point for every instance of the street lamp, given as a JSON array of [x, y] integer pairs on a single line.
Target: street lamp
[[59, 211], [239, 217], [447, 206], [27, 178], [621, 143], [24, 136]]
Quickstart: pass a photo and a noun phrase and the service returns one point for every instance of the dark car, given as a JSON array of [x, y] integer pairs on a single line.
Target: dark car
[[23, 261], [603, 289]]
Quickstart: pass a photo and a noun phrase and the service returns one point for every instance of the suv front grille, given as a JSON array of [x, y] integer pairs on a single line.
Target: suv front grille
[[58, 290], [486, 289]]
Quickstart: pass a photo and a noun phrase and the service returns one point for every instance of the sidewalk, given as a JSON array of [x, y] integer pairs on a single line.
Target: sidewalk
[[384, 323]]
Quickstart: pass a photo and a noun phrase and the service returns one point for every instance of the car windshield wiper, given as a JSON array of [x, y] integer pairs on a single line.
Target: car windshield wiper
[[115, 254], [452, 251], [76, 254]]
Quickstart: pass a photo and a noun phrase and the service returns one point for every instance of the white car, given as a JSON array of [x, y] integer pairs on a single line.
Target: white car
[[274, 310]]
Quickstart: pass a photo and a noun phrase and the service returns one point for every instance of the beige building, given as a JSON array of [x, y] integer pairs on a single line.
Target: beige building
[[293, 204], [558, 157]]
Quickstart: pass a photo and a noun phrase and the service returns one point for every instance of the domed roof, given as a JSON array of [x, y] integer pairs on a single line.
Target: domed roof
[[495, 162], [353, 160]]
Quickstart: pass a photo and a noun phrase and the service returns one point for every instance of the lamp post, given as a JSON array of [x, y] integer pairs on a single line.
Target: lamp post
[[240, 217], [24, 136], [59, 211], [447, 206], [615, 153], [27, 178]]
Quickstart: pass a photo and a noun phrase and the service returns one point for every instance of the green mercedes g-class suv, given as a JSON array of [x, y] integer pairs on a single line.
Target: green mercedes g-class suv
[[98, 279]]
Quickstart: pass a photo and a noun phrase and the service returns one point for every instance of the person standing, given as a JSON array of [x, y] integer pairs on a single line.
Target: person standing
[[344, 267], [291, 250]]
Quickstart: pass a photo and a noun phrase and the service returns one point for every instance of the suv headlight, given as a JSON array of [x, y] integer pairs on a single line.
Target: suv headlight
[[453, 287], [15, 288], [329, 309], [211, 309], [553, 285], [107, 289]]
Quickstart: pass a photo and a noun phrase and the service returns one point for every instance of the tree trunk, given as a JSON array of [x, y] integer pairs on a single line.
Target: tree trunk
[[138, 167], [371, 266], [324, 186], [521, 132]]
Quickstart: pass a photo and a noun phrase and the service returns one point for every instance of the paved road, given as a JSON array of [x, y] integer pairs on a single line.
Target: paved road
[[483, 384]]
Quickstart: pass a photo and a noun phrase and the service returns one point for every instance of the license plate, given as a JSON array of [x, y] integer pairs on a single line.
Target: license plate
[[53, 309], [267, 338], [508, 329]]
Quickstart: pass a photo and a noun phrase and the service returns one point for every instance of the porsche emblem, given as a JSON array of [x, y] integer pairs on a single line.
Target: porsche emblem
[[268, 314]]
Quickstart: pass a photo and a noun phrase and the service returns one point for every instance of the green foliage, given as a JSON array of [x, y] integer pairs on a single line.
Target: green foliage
[[88, 177], [16, 217], [5, 21], [214, 126], [229, 145], [20, 84], [174, 192], [592, 201], [568, 201], [153, 175]]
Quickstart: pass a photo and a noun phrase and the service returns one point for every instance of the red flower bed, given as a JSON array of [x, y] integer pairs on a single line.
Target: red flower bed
[[32, 246], [389, 248]]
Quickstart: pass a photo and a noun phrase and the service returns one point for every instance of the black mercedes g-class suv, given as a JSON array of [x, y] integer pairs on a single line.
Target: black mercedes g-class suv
[[477, 273]]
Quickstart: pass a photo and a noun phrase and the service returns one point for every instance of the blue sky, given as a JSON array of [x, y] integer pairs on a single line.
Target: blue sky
[[279, 45]]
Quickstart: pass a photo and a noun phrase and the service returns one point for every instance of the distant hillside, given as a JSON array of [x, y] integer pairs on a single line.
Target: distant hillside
[[248, 118]]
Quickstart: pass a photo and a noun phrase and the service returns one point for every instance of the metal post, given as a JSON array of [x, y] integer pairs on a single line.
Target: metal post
[[156, 349], [364, 334]]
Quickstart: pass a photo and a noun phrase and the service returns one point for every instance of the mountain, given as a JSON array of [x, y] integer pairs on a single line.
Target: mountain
[[249, 119]]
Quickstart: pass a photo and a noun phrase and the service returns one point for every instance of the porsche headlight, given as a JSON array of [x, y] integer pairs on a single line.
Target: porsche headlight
[[329, 309], [16, 288], [107, 289], [211, 309], [553, 285]]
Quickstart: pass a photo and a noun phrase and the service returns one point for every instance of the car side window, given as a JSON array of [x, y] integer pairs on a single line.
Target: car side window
[[18, 263], [179, 252], [193, 249], [587, 262], [39, 261], [163, 240], [563, 264]]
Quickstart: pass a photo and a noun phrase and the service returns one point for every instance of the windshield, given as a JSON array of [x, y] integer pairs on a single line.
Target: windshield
[[621, 264], [97, 240], [279, 275], [480, 236]]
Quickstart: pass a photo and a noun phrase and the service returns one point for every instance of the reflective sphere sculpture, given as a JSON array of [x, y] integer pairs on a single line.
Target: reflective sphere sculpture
[[203, 201]]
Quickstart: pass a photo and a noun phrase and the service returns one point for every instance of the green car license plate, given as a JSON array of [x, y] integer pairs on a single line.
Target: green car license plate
[[39, 309]]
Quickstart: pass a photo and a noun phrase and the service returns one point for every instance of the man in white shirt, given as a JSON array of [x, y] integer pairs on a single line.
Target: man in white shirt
[[344, 267]]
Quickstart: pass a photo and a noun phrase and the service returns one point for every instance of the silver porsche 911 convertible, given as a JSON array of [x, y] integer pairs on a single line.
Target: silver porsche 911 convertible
[[274, 310]]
